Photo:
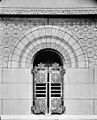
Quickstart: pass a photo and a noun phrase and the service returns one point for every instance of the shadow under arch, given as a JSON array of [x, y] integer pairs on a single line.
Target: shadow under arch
[[48, 56]]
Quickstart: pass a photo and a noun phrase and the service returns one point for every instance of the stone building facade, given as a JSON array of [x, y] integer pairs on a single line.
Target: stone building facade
[[72, 33]]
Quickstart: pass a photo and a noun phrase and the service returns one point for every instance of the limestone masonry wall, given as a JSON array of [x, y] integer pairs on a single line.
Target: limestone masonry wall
[[22, 38]]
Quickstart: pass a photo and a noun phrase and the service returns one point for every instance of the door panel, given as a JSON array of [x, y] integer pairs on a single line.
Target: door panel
[[56, 90], [40, 89], [48, 88]]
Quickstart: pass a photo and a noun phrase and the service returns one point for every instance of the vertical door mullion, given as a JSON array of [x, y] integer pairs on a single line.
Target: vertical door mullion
[[46, 91], [49, 90]]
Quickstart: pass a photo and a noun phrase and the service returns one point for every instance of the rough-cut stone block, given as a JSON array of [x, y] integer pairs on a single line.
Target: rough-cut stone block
[[79, 91], [55, 32], [66, 37], [17, 51], [17, 91], [61, 34], [79, 107], [95, 106], [21, 45], [35, 33], [0, 107], [25, 41], [42, 32], [48, 31], [0, 75], [17, 76], [30, 36], [94, 91], [14, 64], [17, 107], [79, 75], [95, 75], [0, 91], [15, 57]]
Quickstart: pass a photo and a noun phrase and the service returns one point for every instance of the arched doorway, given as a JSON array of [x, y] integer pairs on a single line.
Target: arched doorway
[[48, 87]]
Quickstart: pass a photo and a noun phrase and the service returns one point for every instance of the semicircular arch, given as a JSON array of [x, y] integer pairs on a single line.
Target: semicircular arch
[[48, 37]]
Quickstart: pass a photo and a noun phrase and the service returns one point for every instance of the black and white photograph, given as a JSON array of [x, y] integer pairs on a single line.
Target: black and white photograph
[[48, 59]]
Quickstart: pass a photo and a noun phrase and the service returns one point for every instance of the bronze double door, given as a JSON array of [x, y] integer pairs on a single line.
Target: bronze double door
[[48, 90]]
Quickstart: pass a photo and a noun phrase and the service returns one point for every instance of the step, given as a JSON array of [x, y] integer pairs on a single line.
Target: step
[[48, 117]]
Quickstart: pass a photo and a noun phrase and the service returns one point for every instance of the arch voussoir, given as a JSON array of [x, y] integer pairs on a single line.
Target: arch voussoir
[[49, 37]]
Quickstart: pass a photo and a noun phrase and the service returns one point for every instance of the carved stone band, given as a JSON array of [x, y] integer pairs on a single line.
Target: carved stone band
[[45, 11]]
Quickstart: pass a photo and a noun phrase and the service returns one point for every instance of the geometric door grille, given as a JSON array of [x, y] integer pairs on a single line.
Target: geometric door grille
[[48, 89]]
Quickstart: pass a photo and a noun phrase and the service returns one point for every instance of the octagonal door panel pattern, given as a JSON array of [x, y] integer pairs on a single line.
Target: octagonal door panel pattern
[[48, 89]]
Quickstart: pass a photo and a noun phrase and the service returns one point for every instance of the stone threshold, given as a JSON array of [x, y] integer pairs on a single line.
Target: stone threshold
[[48, 117]]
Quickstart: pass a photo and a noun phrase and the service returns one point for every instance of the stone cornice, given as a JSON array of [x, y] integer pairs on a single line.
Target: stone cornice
[[44, 11]]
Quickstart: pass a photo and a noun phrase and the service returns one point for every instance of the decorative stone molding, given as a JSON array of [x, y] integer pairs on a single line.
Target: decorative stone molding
[[22, 38], [48, 37], [50, 11]]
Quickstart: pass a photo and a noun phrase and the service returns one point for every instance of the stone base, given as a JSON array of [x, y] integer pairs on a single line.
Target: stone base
[[49, 117]]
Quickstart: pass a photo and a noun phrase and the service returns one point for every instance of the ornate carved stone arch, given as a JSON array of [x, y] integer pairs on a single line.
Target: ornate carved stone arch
[[48, 37]]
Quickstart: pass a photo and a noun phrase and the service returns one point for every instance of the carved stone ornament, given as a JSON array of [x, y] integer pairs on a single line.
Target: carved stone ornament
[[56, 66], [65, 11], [39, 67]]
